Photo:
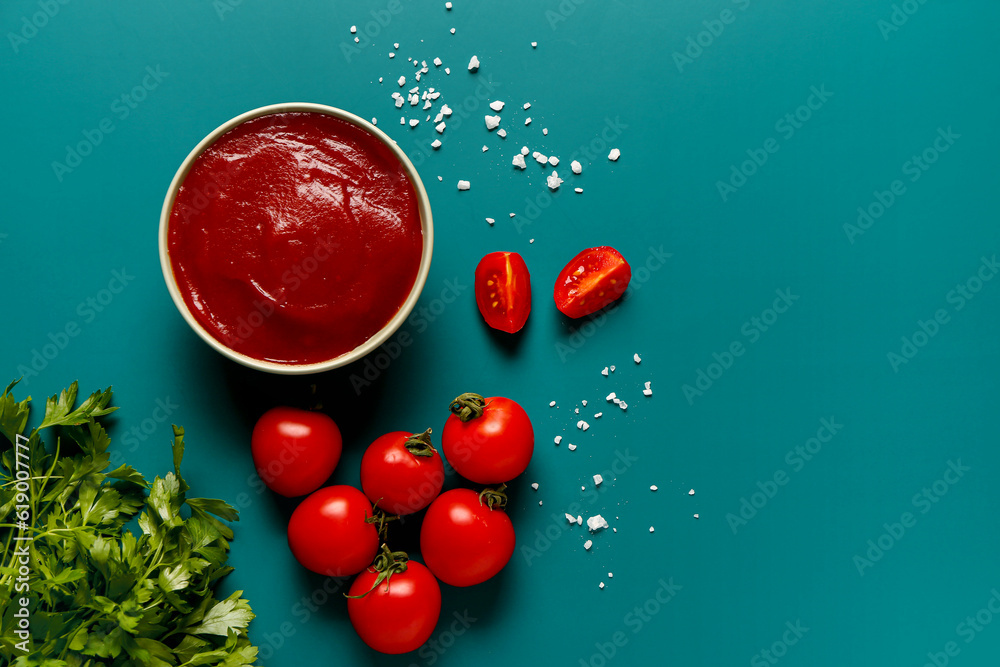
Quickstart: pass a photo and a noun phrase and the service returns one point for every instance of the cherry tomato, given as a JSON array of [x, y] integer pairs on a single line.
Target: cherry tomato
[[328, 532], [503, 291], [395, 614], [401, 472], [463, 540], [487, 440], [295, 450], [591, 280]]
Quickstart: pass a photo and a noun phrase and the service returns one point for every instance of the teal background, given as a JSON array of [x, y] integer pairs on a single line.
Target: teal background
[[680, 129]]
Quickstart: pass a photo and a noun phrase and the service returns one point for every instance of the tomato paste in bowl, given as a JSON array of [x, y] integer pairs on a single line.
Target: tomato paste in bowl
[[296, 238]]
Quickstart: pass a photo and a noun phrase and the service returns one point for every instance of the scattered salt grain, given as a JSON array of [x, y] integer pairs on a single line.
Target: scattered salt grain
[[518, 161], [553, 181], [524, 150], [552, 404], [636, 358], [446, 110], [414, 122], [558, 439], [598, 415], [464, 185], [440, 127], [597, 480], [402, 81], [610, 397], [611, 575], [447, 6], [527, 121], [396, 45], [578, 191], [576, 167], [572, 448], [651, 529], [357, 40], [452, 31], [691, 492], [374, 121], [553, 160], [653, 488], [436, 144], [492, 122], [496, 105], [588, 544], [605, 372], [614, 154], [612, 368], [601, 585], [501, 133], [579, 520], [392, 55], [491, 221], [647, 391], [596, 523], [534, 45], [474, 64], [485, 148], [447, 70], [437, 62], [570, 518], [545, 131], [527, 105], [354, 29], [623, 405], [534, 485]]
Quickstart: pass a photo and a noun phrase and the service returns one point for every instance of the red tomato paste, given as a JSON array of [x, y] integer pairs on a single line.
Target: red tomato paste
[[295, 237]]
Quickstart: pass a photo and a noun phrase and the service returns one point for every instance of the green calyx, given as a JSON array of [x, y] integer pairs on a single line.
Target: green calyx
[[381, 520], [387, 563], [420, 445], [468, 406], [494, 498]]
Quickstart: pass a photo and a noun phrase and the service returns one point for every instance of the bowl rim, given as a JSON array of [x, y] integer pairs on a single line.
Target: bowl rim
[[383, 334]]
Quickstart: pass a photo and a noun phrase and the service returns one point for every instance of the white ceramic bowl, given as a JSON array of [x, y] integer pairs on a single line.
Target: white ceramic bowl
[[426, 225]]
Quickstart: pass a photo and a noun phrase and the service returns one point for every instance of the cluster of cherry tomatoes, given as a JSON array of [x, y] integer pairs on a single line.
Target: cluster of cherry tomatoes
[[466, 536], [590, 281]]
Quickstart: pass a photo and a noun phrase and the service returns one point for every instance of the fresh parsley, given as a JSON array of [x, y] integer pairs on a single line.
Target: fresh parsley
[[98, 593]]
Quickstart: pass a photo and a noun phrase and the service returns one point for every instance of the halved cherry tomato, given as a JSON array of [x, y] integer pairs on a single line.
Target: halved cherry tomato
[[591, 280], [503, 291]]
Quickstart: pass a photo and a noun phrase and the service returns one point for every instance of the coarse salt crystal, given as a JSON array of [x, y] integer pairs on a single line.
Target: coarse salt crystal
[[578, 191], [614, 154], [611, 575], [636, 358], [464, 185], [605, 372], [552, 404], [558, 439], [691, 492], [588, 544], [596, 523], [474, 64], [501, 133], [531, 240], [570, 518], [440, 178], [437, 62], [696, 516], [598, 415], [545, 131], [610, 397], [414, 122], [623, 405], [534, 45], [525, 151], [436, 144], [534, 485], [492, 122], [490, 220], [357, 40], [485, 148], [539, 503], [601, 585], [576, 410], [518, 161], [579, 520], [553, 160], [612, 368], [651, 529], [527, 105], [452, 31], [513, 214], [447, 5], [572, 448], [401, 81], [496, 105], [653, 488], [396, 45], [539, 158], [447, 70], [440, 127], [597, 480], [354, 29], [527, 121], [576, 167], [553, 181], [392, 55], [579, 424], [446, 110], [402, 121]]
